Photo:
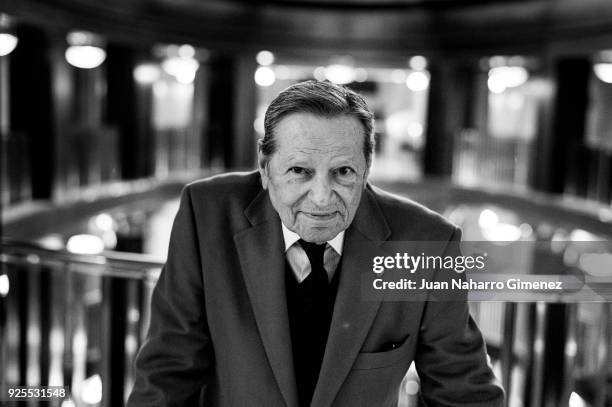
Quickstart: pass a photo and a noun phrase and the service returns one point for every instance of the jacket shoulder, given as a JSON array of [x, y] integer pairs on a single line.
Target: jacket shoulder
[[410, 220], [234, 186], [218, 203]]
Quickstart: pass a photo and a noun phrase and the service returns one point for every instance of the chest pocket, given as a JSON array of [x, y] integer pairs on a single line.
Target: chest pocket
[[376, 360]]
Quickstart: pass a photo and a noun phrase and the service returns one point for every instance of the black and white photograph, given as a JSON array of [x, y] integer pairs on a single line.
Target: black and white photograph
[[306, 203]]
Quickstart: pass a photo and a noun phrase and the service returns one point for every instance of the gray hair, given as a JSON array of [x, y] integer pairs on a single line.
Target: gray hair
[[320, 98]]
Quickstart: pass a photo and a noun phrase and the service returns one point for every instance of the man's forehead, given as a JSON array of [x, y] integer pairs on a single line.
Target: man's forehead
[[304, 155], [303, 137], [304, 122], [303, 130]]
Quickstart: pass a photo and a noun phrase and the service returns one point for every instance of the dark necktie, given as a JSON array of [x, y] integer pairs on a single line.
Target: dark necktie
[[318, 275], [310, 322]]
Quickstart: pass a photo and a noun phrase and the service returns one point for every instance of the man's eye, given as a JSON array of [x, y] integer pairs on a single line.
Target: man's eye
[[298, 170], [345, 171]]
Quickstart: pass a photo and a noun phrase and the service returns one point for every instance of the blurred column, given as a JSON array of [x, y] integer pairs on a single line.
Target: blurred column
[[144, 127], [452, 107], [63, 100], [548, 376], [230, 141], [88, 134], [604, 356], [124, 113], [243, 151], [79, 97], [201, 110], [561, 162], [217, 142], [114, 322], [550, 373], [31, 112], [5, 186], [507, 358], [4, 99]]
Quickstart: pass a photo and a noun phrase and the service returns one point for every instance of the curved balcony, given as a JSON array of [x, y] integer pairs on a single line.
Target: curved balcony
[[74, 319]]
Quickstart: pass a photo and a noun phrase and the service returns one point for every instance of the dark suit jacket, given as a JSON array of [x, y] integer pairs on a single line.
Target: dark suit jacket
[[219, 333]]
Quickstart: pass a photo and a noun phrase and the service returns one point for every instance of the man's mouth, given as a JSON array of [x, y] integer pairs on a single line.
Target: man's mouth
[[320, 215]]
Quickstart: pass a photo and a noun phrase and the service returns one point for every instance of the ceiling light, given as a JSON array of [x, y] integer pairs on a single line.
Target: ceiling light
[[340, 74], [182, 68], [603, 71], [8, 39], [418, 63], [4, 285], [146, 73], [319, 73], [264, 76], [85, 50], [85, 56], [265, 58], [8, 42], [186, 51], [503, 77], [417, 81]]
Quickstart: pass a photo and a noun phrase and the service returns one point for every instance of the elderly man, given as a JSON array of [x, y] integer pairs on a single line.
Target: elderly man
[[260, 302]]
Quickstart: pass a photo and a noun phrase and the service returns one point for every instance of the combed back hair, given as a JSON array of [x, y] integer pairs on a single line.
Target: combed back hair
[[320, 98]]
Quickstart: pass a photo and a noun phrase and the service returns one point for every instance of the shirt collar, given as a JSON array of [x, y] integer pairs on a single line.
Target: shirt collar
[[291, 237]]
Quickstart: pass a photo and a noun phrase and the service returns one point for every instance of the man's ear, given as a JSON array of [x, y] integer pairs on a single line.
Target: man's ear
[[263, 170], [365, 176]]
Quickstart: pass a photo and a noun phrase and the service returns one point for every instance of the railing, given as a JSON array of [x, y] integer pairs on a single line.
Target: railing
[[73, 320], [78, 320]]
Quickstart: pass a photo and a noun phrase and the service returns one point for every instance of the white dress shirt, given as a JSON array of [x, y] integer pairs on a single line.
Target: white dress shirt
[[298, 260]]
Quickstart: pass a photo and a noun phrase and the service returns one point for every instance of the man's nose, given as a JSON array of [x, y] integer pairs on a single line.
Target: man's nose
[[321, 190]]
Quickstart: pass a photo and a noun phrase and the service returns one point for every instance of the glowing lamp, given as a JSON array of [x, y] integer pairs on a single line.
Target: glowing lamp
[[8, 42], [603, 71], [85, 50], [264, 76]]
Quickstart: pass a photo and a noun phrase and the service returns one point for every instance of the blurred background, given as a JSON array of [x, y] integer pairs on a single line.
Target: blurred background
[[496, 113]]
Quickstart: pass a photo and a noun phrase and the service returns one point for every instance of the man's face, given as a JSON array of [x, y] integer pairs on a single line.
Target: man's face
[[317, 174]]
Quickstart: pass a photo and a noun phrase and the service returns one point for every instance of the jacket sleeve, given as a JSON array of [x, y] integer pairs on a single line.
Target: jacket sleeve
[[176, 360], [451, 358]]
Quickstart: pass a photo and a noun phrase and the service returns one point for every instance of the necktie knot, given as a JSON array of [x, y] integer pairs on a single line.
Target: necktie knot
[[318, 275], [315, 252]]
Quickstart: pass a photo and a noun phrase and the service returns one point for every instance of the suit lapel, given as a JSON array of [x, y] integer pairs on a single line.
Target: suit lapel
[[352, 316], [261, 254]]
